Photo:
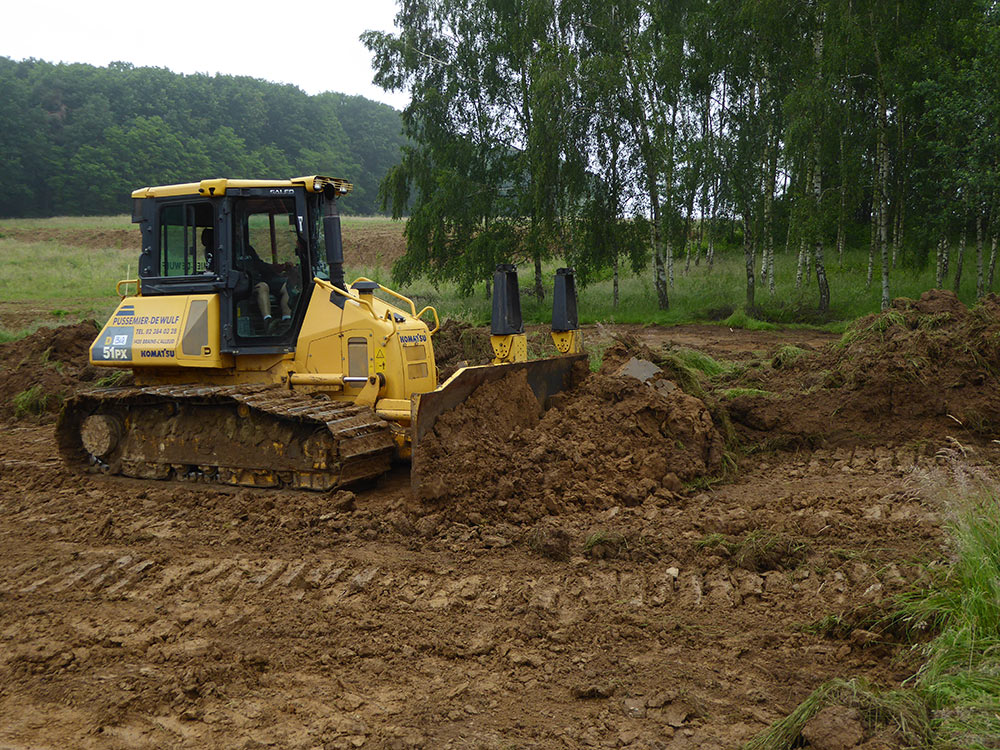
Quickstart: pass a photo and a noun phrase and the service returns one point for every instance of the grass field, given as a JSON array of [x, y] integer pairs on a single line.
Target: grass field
[[704, 294], [61, 265]]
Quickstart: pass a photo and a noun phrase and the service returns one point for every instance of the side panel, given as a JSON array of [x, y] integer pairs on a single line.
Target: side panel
[[399, 347], [174, 331]]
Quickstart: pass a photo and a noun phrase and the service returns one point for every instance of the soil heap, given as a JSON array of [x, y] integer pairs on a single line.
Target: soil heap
[[40, 370], [922, 368], [607, 441]]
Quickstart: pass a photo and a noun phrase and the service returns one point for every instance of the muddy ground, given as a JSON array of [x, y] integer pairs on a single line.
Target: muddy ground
[[688, 613]]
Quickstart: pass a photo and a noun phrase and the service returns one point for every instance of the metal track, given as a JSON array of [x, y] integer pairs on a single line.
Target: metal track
[[257, 435]]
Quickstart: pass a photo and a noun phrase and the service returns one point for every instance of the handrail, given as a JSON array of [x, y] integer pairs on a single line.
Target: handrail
[[387, 290], [118, 286], [437, 322]]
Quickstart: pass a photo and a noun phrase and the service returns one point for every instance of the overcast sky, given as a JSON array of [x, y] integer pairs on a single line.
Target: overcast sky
[[313, 46]]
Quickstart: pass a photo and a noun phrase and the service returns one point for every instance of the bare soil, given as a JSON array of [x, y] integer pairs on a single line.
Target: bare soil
[[607, 604]]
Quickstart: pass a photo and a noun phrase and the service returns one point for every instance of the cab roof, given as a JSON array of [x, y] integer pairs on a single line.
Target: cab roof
[[217, 187]]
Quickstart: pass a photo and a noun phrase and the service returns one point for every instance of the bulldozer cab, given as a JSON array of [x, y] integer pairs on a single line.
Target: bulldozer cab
[[258, 248]]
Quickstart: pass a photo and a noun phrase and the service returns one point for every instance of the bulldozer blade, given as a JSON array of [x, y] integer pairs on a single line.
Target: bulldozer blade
[[545, 377]]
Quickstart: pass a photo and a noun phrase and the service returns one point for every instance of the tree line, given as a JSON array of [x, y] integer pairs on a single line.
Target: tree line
[[614, 132], [77, 139]]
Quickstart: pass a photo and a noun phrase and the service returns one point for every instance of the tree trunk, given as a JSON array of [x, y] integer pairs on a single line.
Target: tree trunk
[[539, 288], [710, 253], [659, 271], [883, 208], [748, 256], [873, 226], [897, 230], [769, 177], [842, 210], [615, 284], [993, 260], [686, 236], [979, 254], [942, 265], [821, 280], [800, 270], [957, 283], [897, 224]]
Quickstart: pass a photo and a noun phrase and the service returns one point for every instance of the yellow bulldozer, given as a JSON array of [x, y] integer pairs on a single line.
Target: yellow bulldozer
[[255, 363]]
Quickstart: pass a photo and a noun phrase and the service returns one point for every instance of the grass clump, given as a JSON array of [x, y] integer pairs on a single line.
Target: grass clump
[[696, 360], [7, 336], [961, 675], [759, 551], [677, 368], [901, 709], [740, 319], [604, 545], [787, 355], [32, 401], [116, 378]]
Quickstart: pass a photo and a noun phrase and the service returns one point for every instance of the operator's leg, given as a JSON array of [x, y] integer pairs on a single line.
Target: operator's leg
[[286, 310], [263, 295]]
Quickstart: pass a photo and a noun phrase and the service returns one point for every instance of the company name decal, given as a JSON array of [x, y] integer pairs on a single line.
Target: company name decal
[[126, 317]]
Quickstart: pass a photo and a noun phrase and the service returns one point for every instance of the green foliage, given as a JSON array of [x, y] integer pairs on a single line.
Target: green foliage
[[740, 319], [76, 139], [787, 355], [700, 361], [901, 709], [612, 134], [32, 401]]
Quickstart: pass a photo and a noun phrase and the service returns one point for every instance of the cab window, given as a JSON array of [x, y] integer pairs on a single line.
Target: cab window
[[186, 239]]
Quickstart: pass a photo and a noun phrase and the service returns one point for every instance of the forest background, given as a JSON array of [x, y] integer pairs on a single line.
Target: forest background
[[77, 139]]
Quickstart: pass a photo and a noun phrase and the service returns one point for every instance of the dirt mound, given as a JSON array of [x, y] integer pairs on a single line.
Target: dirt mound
[[607, 441], [458, 344], [92, 238], [923, 368], [39, 371]]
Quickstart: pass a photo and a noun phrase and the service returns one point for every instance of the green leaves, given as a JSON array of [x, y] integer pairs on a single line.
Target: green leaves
[[78, 139]]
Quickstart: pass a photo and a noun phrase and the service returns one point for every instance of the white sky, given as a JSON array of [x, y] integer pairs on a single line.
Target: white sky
[[313, 46]]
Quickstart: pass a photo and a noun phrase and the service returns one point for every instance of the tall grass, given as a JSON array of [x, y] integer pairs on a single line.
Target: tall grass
[[80, 282], [961, 675], [953, 701]]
